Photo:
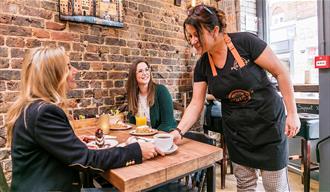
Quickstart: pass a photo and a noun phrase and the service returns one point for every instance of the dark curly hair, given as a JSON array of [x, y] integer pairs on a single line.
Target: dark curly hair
[[204, 16]]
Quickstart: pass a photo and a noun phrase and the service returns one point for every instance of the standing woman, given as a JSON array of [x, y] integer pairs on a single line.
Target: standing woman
[[233, 67], [46, 154], [147, 98]]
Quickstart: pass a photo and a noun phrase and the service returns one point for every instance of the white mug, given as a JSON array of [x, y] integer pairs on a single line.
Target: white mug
[[163, 141]]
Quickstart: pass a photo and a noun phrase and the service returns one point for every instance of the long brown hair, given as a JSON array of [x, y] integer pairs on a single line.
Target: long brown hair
[[204, 16], [132, 88], [44, 77]]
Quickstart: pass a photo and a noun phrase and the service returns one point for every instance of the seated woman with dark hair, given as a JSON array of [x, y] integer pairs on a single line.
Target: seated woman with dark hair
[[148, 98], [46, 154]]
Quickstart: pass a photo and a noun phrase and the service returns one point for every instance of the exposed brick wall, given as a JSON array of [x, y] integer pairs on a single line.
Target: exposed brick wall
[[152, 30]]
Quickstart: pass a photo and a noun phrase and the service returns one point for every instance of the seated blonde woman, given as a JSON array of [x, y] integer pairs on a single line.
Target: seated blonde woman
[[46, 154]]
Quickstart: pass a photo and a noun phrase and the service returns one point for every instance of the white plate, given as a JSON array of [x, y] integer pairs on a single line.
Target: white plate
[[108, 143], [133, 132], [173, 149], [91, 137], [123, 127]]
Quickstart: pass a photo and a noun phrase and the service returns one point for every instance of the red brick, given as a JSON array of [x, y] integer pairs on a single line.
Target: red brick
[[21, 21], [55, 26], [117, 91], [80, 28], [96, 66], [10, 96], [92, 48], [86, 111], [33, 3], [82, 84], [75, 56], [15, 42], [119, 83], [116, 58], [40, 33], [85, 102], [6, 19], [17, 53], [115, 41], [31, 11], [48, 43], [81, 65], [77, 47], [67, 46], [2, 40], [95, 84], [10, 75], [4, 107], [108, 84], [15, 30], [117, 75], [31, 43], [75, 94], [2, 85], [4, 63], [39, 23], [91, 57], [8, 8], [48, 5], [94, 75], [93, 39], [16, 63], [3, 52], [64, 36], [13, 85]]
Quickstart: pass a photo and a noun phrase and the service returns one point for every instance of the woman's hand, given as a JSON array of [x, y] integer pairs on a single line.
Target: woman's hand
[[177, 139], [292, 125], [149, 150]]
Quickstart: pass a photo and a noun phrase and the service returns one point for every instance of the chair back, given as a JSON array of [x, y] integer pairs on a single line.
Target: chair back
[[200, 137], [213, 117], [180, 106], [3, 182]]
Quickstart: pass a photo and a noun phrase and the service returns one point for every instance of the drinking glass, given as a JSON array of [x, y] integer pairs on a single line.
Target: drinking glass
[[140, 119], [103, 123]]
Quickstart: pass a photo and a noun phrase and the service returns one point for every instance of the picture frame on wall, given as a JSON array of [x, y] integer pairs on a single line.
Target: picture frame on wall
[[101, 12]]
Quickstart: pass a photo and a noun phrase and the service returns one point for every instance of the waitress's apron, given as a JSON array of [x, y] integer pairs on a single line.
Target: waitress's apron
[[253, 117]]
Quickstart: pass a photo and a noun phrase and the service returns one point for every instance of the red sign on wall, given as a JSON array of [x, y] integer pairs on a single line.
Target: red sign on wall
[[322, 61]]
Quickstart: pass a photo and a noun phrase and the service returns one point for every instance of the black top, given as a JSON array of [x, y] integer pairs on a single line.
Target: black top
[[253, 112], [47, 155]]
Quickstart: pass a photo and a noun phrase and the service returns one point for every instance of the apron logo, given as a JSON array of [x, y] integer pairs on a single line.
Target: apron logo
[[236, 66], [240, 96]]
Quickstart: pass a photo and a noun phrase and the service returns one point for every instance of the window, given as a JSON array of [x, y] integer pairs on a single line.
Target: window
[[292, 33]]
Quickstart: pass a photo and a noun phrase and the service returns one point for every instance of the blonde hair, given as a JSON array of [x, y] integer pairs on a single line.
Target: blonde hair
[[132, 88], [44, 77]]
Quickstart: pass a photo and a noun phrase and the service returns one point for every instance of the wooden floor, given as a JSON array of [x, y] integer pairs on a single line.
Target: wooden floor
[[294, 181]]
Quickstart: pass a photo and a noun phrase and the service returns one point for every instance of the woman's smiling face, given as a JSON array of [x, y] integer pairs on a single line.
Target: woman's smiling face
[[200, 46], [142, 74]]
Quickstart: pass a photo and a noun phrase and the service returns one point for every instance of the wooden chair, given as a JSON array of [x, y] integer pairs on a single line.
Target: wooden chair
[[182, 104], [3, 182], [309, 131]]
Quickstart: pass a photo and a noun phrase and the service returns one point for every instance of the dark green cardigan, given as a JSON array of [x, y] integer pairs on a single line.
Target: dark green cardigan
[[161, 113]]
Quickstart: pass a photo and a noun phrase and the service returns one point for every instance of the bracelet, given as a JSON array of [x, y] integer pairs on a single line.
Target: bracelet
[[180, 132]]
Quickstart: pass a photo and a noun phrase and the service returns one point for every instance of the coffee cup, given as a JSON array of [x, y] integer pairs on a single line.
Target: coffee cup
[[163, 141]]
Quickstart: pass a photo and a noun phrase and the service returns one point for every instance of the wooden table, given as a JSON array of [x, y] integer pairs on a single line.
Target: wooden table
[[191, 156]]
